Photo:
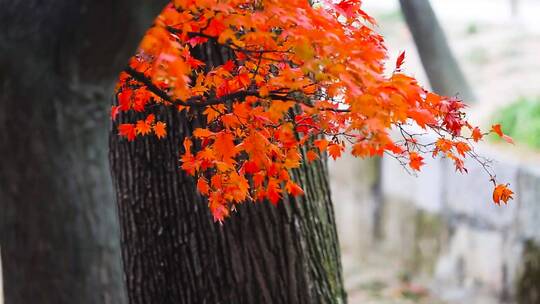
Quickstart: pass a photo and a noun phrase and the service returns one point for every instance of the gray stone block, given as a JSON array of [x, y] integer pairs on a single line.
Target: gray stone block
[[528, 198], [469, 196], [423, 189]]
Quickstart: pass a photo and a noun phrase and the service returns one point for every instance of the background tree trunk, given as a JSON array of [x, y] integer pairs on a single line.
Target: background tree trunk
[[58, 224], [173, 252], [441, 67]]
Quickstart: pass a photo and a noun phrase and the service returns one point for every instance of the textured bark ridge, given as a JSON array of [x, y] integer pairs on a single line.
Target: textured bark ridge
[[59, 60], [173, 252]]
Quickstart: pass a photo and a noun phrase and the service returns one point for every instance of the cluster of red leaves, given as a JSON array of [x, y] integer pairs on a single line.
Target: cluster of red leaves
[[300, 80]]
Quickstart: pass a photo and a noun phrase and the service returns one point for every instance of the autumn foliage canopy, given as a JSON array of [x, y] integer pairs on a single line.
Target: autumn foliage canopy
[[296, 81]]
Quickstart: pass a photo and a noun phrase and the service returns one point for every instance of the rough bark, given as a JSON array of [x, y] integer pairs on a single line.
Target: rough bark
[[173, 252], [442, 69], [58, 222]]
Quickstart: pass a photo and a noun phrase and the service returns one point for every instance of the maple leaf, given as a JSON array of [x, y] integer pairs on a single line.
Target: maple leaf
[[335, 150], [217, 207], [502, 193], [127, 130], [293, 189], [400, 60], [124, 100], [312, 155], [443, 145], [251, 167], [273, 191], [215, 28], [498, 130], [462, 148], [224, 147], [189, 165], [228, 66], [150, 119], [197, 40], [477, 134], [143, 127], [192, 62], [433, 99], [322, 144], [415, 161], [160, 129], [114, 112], [421, 116], [187, 145], [348, 8], [202, 186], [140, 99], [212, 113], [202, 133]]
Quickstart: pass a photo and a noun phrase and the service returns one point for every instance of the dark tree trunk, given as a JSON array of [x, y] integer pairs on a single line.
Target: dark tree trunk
[[58, 222], [442, 69], [173, 252]]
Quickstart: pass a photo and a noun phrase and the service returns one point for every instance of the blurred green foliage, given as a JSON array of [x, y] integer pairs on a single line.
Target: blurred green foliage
[[390, 16], [472, 28], [521, 121]]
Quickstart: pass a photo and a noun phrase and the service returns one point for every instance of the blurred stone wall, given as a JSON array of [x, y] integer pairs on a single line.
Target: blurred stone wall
[[444, 225]]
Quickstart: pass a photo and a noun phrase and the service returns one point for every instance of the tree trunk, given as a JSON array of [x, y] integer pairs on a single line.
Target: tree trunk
[[441, 67], [173, 252], [58, 222]]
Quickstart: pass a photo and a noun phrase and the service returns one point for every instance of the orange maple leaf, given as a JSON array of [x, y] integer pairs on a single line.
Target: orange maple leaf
[[143, 127], [160, 129], [127, 130], [421, 116], [502, 193], [462, 148], [273, 191], [294, 189], [202, 186], [443, 145], [312, 155], [477, 134], [202, 133], [415, 161], [498, 130], [334, 150], [322, 144]]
